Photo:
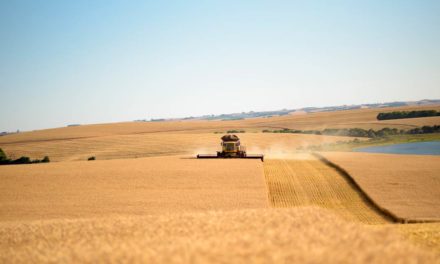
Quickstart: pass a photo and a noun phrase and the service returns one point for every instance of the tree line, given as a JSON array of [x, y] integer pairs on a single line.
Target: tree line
[[4, 160], [407, 114], [359, 132]]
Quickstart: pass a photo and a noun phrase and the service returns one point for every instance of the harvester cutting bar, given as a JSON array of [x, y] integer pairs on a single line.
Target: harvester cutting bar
[[207, 156], [255, 156], [214, 156]]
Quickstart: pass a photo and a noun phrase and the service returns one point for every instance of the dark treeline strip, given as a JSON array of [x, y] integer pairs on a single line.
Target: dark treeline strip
[[4, 160], [230, 132], [407, 114], [359, 132]]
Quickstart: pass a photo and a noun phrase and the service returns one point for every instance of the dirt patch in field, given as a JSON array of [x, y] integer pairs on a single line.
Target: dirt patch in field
[[406, 185], [129, 187], [301, 235]]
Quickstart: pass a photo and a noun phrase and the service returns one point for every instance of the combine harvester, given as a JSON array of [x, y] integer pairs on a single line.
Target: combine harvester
[[231, 148]]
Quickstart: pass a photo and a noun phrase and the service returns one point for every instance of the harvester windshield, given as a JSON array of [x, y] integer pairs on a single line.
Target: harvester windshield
[[229, 146]]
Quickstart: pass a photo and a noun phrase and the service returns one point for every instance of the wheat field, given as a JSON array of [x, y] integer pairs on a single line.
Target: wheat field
[[302, 235], [425, 235], [358, 118], [406, 185], [113, 210], [303, 180], [129, 187], [147, 199]]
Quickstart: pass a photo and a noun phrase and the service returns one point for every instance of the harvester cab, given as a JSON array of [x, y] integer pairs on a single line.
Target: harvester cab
[[231, 148]]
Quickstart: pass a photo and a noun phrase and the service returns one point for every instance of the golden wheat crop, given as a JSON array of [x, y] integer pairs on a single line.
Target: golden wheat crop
[[426, 235], [406, 185], [129, 187], [307, 235], [122, 208]]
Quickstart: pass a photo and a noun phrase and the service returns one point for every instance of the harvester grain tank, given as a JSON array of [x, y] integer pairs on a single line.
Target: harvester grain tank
[[231, 148]]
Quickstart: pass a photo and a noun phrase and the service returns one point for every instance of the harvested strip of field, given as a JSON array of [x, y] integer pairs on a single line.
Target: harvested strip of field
[[296, 183], [129, 187], [300, 235], [306, 181], [406, 185]]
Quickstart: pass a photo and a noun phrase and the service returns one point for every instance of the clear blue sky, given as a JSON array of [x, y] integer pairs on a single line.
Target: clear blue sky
[[64, 62]]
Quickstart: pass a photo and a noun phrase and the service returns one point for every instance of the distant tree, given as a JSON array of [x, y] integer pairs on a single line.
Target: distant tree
[[371, 133], [359, 132], [2, 155], [22, 160], [407, 114], [91, 158], [235, 131], [45, 159]]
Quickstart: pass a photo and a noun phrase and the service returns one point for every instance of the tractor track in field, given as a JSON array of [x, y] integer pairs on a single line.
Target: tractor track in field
[[308, 181]]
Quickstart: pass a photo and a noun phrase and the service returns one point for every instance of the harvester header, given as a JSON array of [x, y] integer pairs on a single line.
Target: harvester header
[[231, 148]]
